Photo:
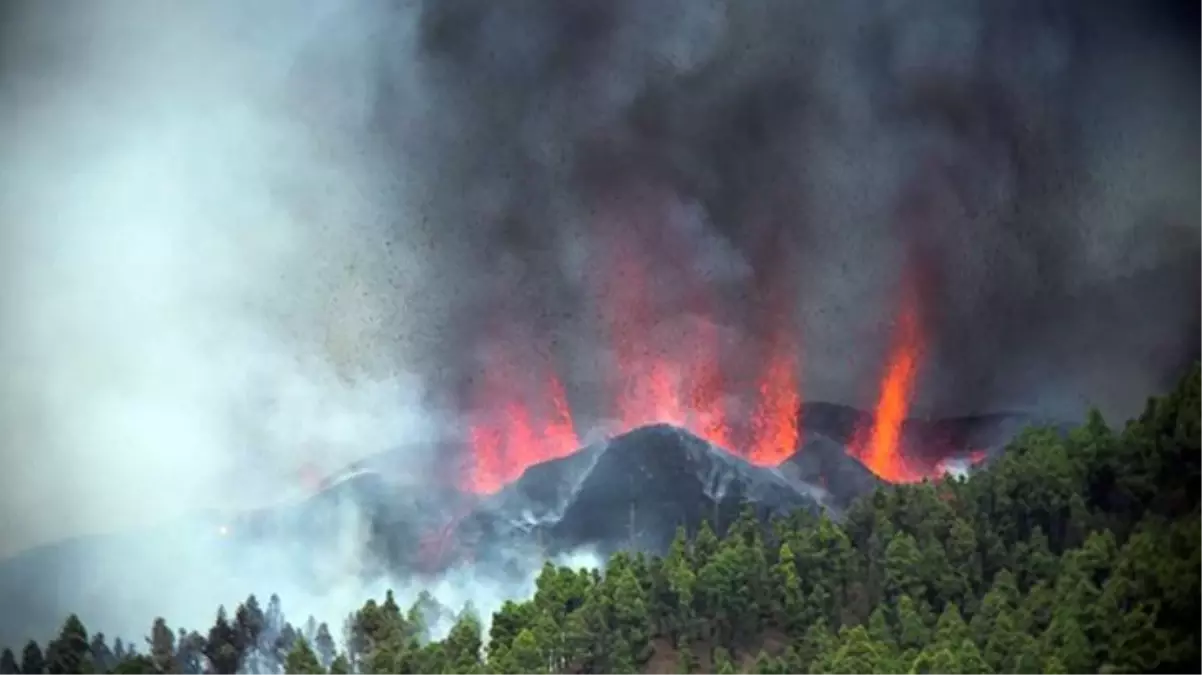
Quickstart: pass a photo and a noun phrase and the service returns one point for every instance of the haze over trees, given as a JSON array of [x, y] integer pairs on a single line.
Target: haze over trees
[[1067, 554]]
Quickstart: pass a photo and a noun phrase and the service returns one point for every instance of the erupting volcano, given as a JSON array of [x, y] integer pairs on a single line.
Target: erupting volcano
[[666, 361], [880, 447], [516, 426], [523, 416]]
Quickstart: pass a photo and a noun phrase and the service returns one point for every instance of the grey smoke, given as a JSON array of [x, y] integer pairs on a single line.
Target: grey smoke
[[1032, 164], [239, 238]]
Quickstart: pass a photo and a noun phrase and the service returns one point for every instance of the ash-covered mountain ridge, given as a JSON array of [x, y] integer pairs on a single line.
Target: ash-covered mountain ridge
[[630, 491], [664, 474]]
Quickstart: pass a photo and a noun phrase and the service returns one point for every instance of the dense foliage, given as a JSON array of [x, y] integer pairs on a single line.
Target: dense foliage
[[1068, 554]]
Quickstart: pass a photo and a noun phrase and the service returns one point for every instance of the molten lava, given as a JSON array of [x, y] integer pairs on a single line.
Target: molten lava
[[516, 426], [774, 423], [667, 367], [667, 362], [670, 368], [882, 450]]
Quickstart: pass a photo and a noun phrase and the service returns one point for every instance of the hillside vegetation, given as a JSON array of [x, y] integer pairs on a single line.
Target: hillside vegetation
[[1066, 555]]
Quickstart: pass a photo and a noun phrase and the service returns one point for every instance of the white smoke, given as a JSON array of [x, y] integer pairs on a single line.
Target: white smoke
[[207, 288]]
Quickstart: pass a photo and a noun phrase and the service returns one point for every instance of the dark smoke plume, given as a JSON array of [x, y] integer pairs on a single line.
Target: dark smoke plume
[[1032, 165]]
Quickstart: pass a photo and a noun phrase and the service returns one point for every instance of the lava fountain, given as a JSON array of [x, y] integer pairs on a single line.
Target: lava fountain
[[880, 447], [668, 363], [521, 418]]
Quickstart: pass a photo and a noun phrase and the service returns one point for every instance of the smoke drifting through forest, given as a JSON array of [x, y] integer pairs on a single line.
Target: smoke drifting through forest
[[245, 238]]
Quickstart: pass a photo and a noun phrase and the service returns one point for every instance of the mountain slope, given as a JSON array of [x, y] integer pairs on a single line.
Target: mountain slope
[[824, 462], [630, 492]]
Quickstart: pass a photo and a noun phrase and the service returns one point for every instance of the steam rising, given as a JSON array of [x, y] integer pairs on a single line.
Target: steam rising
[[244, 238]]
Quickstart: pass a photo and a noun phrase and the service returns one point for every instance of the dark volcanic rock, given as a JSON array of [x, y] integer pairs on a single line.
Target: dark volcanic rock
[[839, 423], [824, 462], [633, 492], [948, 435], [653, 479], [824, 459]]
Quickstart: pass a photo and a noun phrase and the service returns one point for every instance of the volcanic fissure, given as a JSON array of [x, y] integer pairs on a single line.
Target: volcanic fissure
[[521, 415]]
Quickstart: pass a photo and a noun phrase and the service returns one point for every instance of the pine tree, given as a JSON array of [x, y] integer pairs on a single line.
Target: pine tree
[[903, 568], [950, 630], [1003, 643], [789, 606], [340, 665], [189, 652], [100, 654], [162, 646], [1053, 666], [878, 627], [686, 659], [766, 664], [302, 659], [1068, 644], [463, 644], [525, 655], [1028, 657], [723, 665], [119, 651], [857, 653], [8, 662], [323, 645], [815, 646], [70, 652], [221, 647], [705, 545], [912, 632], [969, 658], [630, 616]]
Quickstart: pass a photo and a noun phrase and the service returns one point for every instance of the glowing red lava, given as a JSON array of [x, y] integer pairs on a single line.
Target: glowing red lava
[[516, 426], [881, 451], [669, 364], [661, 372], [774, 422]]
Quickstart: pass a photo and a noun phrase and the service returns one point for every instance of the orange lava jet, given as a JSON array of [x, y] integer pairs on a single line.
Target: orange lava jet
[[882, 451], [774, 423], [512, 432], [667, 367]]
